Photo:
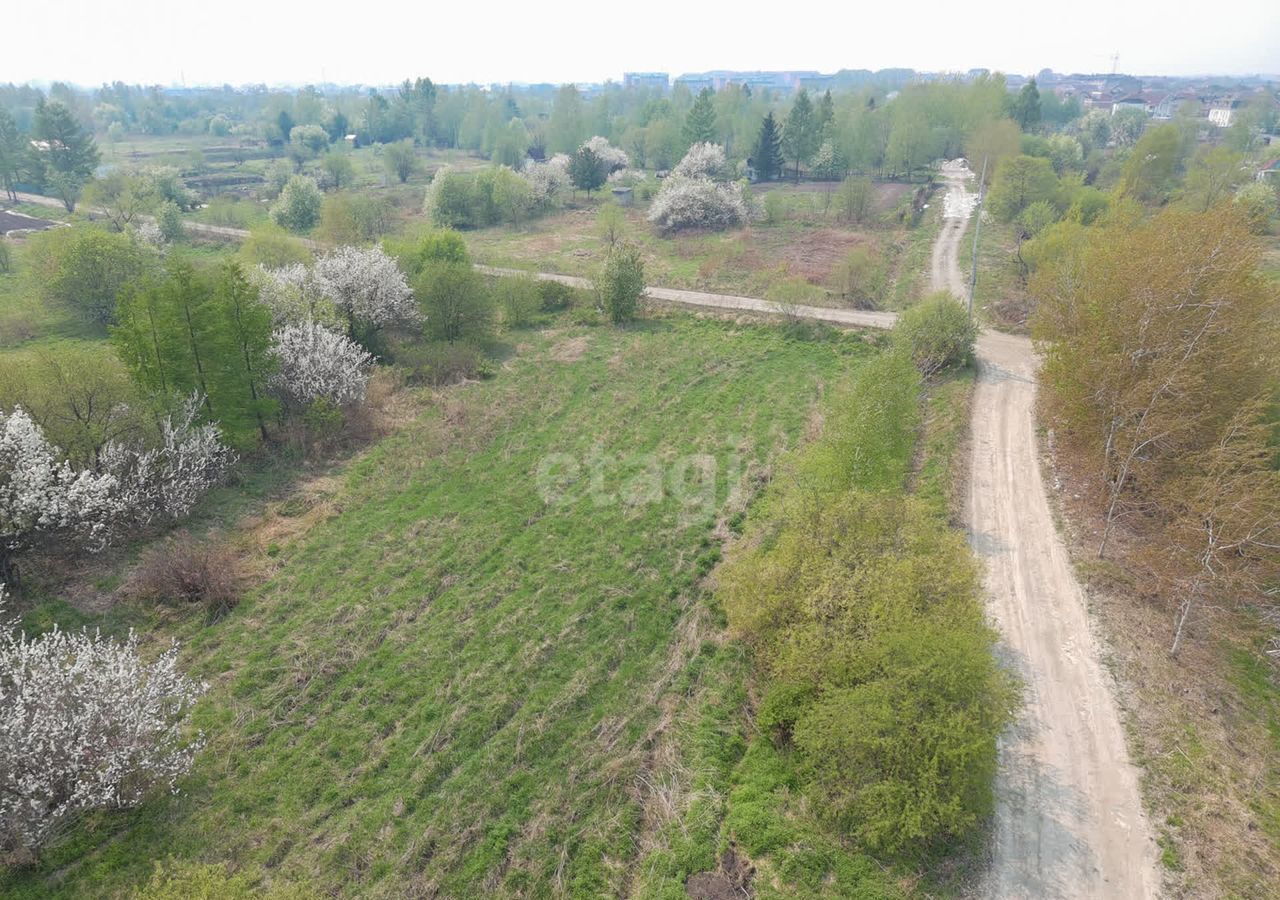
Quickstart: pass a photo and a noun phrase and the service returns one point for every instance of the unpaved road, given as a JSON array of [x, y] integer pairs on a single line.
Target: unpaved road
[[1069, 818]]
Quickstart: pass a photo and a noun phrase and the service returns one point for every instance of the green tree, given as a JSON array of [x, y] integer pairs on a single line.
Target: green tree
[[400, 159], [611, 221], [1150, 172], [1019, 182], [700, 123], [768, 152], [910, 141], [1213, 175], [243, 354], [565, 128], [512, 145], [11, 153], [64, 152], [270, 245], [586, 170], [298, 208], [622, 282], [825, 115], [801, 135], [455, 302], [1026, 107], [84, 268], [338, 170]]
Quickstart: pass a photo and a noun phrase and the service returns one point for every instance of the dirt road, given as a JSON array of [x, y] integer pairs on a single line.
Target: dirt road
[[1069, 818]]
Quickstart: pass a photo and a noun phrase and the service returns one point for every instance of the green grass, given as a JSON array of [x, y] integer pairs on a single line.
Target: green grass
[[452, 685], [27, 321]]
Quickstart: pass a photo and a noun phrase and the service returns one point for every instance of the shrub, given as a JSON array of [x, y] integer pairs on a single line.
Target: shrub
[[698, 203], [439, 245], [519, 300], [548, 180], [455, 301], [181, 569], [493, 195], [702, 161], [611, 158], [775, 207], [6, 259], [622, 283], [316, 363], [298, 208], [935, 334], [84, 268], [856, 199], [84, 724], [440, 362], [169, 220], [862, 278], [1257, 204], [555, 295], [271, 246]]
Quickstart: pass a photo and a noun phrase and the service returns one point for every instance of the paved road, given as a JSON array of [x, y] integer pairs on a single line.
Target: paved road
[[1069, 818]]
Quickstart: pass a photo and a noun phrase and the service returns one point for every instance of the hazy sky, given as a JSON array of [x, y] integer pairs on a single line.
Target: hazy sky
[[383, 41]]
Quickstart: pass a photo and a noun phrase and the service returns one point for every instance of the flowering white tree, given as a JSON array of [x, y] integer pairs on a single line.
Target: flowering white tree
[[367, 286], [611, 157], [702, 161], [696, 196], [41, 495], [316, 363], [548, 180], [292, 295], [84, 724], [166, 481], [698, 203]]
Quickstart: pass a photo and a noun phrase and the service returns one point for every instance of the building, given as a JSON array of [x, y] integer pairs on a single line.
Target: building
[[1270, 173], [1130, 102], [652, 80], [1223, 112]]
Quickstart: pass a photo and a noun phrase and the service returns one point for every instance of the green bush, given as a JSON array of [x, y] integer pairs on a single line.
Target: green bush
[[555, 296], [83, 268], [863, 612], [936, 334], [270, 245], [518, 299], [414, 252], [455, 301], [622, 283], [439, 362]]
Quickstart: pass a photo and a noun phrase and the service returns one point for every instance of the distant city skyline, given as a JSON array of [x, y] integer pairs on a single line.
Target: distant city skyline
[[238, 42]]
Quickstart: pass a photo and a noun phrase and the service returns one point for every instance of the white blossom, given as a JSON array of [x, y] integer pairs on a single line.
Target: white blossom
[[292, 295], [149, 233], [167, 480], [84, 724], [702, 161], [548, 181], [698, 203], [612, 157], [41, 494], [317, 363], [366, 285]]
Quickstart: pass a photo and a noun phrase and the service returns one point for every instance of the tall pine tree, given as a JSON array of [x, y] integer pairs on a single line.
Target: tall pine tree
[[700, 124], [800, 137], [768, 153]]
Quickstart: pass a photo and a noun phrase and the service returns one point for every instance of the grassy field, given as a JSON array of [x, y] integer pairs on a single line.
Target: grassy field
[[795, 259], [462, 677]]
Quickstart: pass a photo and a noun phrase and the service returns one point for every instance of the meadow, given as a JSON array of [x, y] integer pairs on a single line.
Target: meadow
[[457, 677]]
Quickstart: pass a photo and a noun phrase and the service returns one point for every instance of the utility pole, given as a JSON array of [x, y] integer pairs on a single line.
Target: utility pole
[[977, 229]]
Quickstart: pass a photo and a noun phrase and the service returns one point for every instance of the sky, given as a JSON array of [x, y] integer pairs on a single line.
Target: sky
[[238, 42]]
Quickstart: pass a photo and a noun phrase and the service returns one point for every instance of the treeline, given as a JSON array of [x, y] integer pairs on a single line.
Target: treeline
[[1162, 375]]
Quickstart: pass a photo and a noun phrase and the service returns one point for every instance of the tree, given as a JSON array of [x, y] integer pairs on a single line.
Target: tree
[[338, 170], [1149, 172], [768, 151], [1213, 176], [306, 142], [800, 136], [368, 288], [610, 223], [84, 268], [12, 153], [298, 208], [700, 123], [270, 245], [824, 115], [64, 152], [1026, 107], [1157, 333], [400, 159], [622, 283], [565, 130], [993, 141], [1258, 205], [43, 498], [315, 363], [454, 301], [692, 197], [911, 143], [856, 199], [246, 361], [1019, 182], [85, 724], [611, 157], [936, 333], [586, 170]]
